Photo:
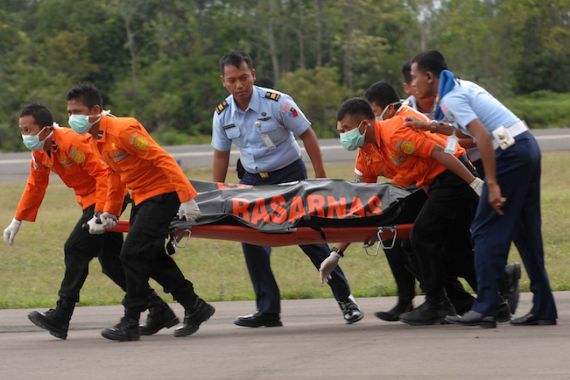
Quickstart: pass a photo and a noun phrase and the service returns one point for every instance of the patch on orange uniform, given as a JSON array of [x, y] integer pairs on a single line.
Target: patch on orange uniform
[[139, 142], [77, 155], [407, 147]]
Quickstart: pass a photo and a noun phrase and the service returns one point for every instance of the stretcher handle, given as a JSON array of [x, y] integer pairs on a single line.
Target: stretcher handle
[[393, 230]]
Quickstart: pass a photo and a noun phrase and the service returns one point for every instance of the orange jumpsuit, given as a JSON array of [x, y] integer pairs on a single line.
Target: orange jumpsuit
[[139, 163], [79, 167]]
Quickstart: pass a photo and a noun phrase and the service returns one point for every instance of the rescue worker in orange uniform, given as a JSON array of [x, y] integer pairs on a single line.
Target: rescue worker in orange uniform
[[160, 191], [412, 157], [71, 156]]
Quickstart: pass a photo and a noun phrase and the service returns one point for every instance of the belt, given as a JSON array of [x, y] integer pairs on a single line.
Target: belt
[[514, 130], [272, 173]]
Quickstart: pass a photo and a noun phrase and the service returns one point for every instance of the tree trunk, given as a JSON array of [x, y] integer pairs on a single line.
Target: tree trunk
[[271, 43]]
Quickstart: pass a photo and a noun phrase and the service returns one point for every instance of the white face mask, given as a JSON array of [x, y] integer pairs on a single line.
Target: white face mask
[[381, 116]]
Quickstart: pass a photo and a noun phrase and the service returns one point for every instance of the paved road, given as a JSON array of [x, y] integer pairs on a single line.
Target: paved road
[[14, 167], [313, 344]]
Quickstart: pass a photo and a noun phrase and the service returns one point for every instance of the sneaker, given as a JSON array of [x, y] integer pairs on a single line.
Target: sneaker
[[159, 318], [126, 330], [394, 313], [509, 288], [200, 312], [259, 319], [50, 321], [429, 313], [350, 310]]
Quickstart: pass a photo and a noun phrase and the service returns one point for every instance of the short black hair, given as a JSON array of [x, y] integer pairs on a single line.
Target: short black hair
[[87, 93], [235, 58], [355, 107], [432, 61], [40, 113], [407, 71], [382, 94]]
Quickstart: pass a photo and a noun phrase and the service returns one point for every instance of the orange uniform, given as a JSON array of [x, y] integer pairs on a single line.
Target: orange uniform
[[138, 162], [401, 154], [77, 164]]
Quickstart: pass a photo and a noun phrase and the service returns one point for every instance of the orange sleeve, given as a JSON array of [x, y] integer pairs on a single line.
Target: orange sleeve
[[137, 142], [81, 151], [413, 143], [115, 194], [34, 193]]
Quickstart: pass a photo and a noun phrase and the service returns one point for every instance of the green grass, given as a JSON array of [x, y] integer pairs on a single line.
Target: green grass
[[31, 269], [542, 109]]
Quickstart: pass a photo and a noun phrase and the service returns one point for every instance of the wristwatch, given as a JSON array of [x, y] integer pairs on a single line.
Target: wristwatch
[[338, 251], [433, 126]]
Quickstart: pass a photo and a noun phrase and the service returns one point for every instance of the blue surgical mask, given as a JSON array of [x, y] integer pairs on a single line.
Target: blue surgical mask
[[33, 142], [353, 139], [80, 123]]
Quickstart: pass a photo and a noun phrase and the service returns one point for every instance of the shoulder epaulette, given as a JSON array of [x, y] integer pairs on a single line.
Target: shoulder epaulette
[[272, 95], [222, 106]]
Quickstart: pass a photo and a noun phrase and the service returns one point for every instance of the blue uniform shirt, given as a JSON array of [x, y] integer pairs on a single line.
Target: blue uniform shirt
[[264, 132], [469, 101]]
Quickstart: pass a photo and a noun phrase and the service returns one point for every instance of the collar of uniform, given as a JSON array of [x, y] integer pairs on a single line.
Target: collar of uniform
[[103, 125], [254, 102]]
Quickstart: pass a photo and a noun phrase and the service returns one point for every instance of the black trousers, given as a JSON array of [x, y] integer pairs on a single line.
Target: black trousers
[[144, 255], [441, 235], [80, 248], [257, 258]]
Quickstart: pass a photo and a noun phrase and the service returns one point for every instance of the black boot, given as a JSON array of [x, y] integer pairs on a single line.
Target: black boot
[[126, 330], [200, 312], [432, 311], [503, 312], [56, 321], [509, 287], [392, 315], [350, 310], [160, 316]]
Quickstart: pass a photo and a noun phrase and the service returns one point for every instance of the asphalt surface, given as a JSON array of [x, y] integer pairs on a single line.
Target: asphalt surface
[[14, 167], [313, 344]]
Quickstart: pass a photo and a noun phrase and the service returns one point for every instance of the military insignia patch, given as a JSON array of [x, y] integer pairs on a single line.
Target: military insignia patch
[[222, 106], [77, 155], [272, 95], [407, 147], [294, 112]]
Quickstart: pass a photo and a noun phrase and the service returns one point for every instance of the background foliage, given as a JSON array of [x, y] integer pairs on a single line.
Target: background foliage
[[157, 59]]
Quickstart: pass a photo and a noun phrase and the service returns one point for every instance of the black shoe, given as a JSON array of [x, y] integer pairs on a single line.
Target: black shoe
[[350, 310], [503, 312], [126, 330], [159, 318], [259, 319], [509, 288], [50, 321], [532, 320], [193, 318], [473, 318], [429, 313], [394, 313]]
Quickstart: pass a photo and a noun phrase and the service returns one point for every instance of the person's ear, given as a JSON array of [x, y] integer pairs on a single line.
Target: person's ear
[[253, 74], [429, 76], [96, 109]]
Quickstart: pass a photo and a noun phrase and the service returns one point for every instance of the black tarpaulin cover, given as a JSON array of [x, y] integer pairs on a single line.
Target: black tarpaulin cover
[[309, 203]]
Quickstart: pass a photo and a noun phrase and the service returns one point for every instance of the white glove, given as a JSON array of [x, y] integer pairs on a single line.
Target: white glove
[[108, 220], [95, 226], [189, 211], [11, 231], [328, 265], [477, 186]]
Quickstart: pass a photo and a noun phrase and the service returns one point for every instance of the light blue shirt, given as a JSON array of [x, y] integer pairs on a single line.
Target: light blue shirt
[[469, 101], [264, 132]]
